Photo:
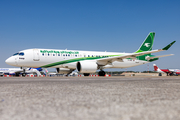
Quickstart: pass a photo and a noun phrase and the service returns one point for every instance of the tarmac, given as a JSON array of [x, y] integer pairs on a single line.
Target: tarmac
[[90, 98]]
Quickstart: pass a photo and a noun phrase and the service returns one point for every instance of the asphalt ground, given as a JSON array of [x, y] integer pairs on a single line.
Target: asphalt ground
[[90, 98]]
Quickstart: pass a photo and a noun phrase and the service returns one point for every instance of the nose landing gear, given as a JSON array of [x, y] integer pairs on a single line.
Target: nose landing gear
[[24, 71]]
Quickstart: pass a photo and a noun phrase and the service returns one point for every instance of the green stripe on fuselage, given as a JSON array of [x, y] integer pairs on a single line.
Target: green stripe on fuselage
[[143, 57], [76, 60]]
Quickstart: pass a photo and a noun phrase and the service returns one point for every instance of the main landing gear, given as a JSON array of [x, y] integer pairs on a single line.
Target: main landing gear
[[24, 72], [101, 73], [86, 74]]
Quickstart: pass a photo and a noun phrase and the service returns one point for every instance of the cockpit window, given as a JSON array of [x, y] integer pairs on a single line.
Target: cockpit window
[[15, 54], [21, 54]]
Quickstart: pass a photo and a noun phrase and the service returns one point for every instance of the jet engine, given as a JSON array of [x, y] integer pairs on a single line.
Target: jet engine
[[86, 67]]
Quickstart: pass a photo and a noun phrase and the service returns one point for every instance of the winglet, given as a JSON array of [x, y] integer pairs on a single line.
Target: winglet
[[168, 46]]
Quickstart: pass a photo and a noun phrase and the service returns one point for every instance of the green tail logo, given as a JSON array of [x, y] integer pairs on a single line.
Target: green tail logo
[[147, 44]]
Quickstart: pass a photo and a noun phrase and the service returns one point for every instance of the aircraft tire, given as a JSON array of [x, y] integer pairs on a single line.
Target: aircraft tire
[[101, 73], [23, 74], [86, 74], [17, 74]]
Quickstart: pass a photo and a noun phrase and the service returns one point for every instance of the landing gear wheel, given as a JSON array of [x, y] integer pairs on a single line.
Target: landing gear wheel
[[167, 74], [101, 73], [23, 74], [86, 74], [17, 74]]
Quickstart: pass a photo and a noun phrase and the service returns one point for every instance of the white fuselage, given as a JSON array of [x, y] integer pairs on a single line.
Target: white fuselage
[[9, 70], [66, 58], [13, 71]]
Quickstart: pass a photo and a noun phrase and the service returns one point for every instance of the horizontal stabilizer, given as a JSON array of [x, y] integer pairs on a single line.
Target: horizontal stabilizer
[[149, 58]]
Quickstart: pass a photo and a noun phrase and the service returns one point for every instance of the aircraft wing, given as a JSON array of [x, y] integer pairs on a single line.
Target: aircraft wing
[[120, 58]]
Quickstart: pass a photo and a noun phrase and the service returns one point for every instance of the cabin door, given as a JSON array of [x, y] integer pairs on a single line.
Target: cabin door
[[36, 55]]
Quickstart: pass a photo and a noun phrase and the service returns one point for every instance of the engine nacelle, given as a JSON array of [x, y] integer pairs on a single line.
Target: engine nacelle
[[86, 67], [63, 70]]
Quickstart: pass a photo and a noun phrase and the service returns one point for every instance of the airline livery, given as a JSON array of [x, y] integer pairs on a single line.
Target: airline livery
[[167, 71], [86, 62]]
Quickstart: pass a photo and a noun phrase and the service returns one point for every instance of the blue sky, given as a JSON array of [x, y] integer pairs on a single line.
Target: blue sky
[[96, 25]]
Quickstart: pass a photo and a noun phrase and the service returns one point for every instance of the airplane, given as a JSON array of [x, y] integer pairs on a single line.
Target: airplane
[[18, 71], [167, 71], [86, 62], [50, 73]]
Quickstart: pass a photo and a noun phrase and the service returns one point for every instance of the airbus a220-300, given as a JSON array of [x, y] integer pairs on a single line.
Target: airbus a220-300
[[86, 62]]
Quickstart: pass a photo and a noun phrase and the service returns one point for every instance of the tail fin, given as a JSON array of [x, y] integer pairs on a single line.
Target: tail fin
[[155, 67], [46, 70], [147, 44]]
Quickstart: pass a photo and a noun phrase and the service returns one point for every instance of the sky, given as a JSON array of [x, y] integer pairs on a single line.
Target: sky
[[93, 25]]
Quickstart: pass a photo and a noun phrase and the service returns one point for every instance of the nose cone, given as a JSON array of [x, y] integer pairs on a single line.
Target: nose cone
[[10, 61]]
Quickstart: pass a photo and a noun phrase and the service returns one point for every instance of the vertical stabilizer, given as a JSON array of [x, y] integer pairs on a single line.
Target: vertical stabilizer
[[155, 67], [147, 44], [46, 71], [159, 70]]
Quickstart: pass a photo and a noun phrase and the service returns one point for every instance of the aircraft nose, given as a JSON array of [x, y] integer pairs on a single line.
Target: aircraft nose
[[10, 61]]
